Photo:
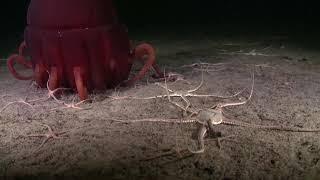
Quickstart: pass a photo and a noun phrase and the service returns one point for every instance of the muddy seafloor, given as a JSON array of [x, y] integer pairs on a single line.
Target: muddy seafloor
[[286, 93]]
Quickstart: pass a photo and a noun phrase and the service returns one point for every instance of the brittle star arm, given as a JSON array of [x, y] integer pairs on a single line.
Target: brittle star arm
[[15, 102], [181, 95], [243, 102], [47, 137], [202, 132], [167, 91], [189, 93], [275, 128], [214, 95], [199, 86]]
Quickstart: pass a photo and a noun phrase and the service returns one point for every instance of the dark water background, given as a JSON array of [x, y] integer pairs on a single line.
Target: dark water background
[[163, 16]]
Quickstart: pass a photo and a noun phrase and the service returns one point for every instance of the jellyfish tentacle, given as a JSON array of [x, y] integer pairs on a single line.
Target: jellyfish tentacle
[[147, 49], [80, 84], [20, 60], [41, 75], [159, 73], [139, 53], [22, 48], [55, 78], [22, 52]]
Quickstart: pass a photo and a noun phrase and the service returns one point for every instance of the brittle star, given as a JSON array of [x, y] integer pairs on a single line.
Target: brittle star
[[251, 53], [21, 101], [50, 135], [218, 113], [50, 93], [182, 94], [174, 78], [72, 105], [206, 67], [210, 117]]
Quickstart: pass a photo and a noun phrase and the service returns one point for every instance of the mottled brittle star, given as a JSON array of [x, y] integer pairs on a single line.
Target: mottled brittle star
[[210, 117], [183, 95]]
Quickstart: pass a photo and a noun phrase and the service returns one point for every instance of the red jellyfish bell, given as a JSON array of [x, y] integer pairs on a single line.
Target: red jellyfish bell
[[79, 44]]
